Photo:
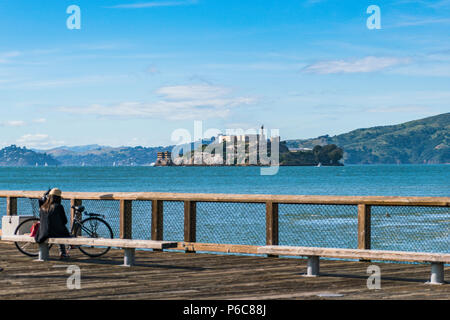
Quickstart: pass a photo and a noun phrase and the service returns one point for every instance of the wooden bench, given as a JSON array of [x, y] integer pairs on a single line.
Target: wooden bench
[[128, 245], [437, 260]]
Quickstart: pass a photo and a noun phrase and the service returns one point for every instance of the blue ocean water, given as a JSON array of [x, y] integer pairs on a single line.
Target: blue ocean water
[[393, 228], [387, 180]]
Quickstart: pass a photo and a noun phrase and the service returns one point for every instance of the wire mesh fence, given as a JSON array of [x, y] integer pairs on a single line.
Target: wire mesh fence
[[411, 228], [173, 224], [317, 225], [225, 222], [142, 220], [402, 228], [107, 208]]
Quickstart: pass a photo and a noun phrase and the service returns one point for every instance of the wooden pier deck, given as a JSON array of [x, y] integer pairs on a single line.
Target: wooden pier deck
[[179, 275]]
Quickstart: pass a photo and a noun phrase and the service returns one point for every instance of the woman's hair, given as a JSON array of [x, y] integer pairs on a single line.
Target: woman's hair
[[51, 199]]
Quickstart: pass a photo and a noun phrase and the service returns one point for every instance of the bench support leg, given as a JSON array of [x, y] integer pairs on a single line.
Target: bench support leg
[[313, 266], [437, 273], [128, 258], [43, 252]]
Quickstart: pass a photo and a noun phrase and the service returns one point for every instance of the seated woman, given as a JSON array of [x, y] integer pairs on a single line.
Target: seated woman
[[53, 220]]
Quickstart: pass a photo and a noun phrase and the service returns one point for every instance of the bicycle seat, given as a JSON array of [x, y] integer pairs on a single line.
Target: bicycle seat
[[78, 208], [93, 214]]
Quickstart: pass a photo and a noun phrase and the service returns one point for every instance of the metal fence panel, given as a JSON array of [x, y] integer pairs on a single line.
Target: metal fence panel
[[236, 223], [410, 228], [317, 225]]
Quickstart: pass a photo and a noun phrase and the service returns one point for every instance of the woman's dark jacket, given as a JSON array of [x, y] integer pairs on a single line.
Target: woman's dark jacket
[[53, 224]]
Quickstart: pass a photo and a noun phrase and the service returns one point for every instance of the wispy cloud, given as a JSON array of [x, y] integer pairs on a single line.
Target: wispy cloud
[[21, 123], [426, 3], [154, 4], [401, 109], [364, 65], [13, 123], [38, 140], [176, 103], [6, 56], [411, 22]]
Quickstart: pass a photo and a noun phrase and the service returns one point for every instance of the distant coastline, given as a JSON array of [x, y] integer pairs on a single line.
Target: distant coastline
[[423, 141]]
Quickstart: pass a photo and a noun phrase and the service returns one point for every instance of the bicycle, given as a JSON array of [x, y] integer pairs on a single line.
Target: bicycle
[[94, 226]]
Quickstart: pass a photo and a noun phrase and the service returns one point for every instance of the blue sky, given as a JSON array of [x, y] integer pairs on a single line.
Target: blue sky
[[138, 70]]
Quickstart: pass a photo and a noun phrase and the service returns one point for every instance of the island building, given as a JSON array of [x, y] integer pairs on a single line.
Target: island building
[[236, 149], [164, 159]]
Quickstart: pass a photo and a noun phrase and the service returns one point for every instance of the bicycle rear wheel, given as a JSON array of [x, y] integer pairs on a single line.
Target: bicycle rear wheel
[[30, 249], [94, 228]]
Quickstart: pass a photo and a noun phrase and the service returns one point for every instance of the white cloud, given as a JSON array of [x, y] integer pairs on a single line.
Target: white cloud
[[40, 120], [33, 138], [422, 21], [14, 123], [401, 109], [195, 92], [38, 140], [5, 56], [364, 65], [176, 103], [21, 123]]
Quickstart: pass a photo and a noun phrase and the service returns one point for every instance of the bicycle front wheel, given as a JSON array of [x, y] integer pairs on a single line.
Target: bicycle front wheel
[[94, 228], [30, 249]]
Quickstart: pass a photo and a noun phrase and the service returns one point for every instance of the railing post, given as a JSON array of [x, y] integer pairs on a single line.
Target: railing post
[[364, 226], [73, 203], [272, 224], [11, 206], [125, 219], [157, 221], [190, 222]]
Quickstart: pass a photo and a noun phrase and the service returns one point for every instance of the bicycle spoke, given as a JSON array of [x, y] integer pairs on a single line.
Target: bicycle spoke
[[95, 228]]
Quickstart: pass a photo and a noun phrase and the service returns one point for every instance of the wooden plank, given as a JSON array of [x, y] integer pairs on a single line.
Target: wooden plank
[[364, 226], [11, 206], [18, 238], [249, 249], [215, 247], [157, 220], [190, 221], [125, 219], [251, 198], [356, 254], [120, 243], [205, 276], [271, 223]]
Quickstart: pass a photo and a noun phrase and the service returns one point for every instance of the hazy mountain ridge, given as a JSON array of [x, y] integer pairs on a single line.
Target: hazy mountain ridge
[[108, 156], [420, 141]]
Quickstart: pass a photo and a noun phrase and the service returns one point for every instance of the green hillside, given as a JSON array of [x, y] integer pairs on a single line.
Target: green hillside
[[14, 156], [419, 141]]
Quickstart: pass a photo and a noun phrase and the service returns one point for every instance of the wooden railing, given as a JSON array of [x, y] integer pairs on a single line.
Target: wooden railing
[[272, 202]]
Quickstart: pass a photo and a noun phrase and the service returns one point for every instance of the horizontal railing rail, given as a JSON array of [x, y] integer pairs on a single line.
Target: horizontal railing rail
[[268, 205], [250, 198]]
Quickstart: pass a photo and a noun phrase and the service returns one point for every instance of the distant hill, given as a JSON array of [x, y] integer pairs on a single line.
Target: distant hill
[[419, 141], [14, 156], [88, 147], [107, 156]]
